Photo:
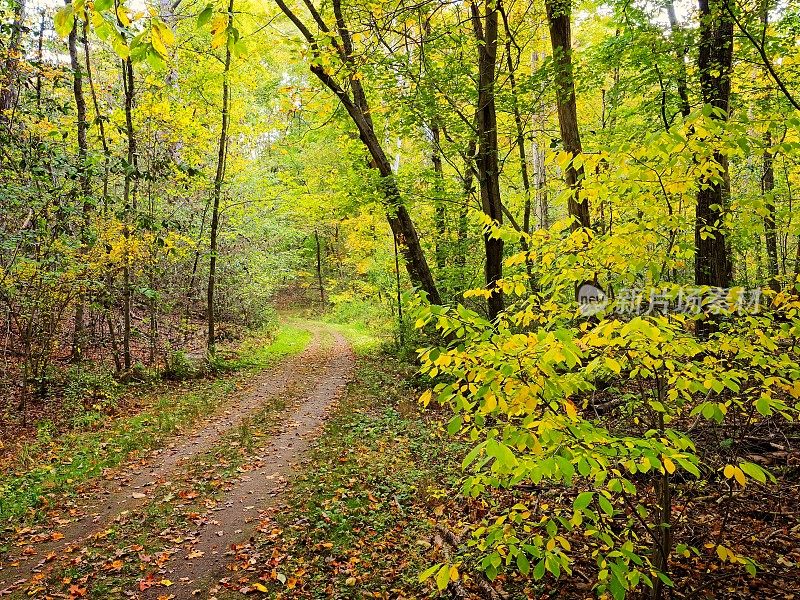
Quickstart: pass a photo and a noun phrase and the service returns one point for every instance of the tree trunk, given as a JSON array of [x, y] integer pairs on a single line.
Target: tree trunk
[[83, 174], [680, 55], [219, 179], [770, 227], [463, 215], [439, 215], [558, 18], [129, 201], [715, 56], [542, 205], [99, 119], [663, 511], [487, 160], [319, 269], [357, 107]]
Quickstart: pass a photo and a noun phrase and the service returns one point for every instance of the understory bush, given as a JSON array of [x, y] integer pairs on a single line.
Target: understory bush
[[531, 392]]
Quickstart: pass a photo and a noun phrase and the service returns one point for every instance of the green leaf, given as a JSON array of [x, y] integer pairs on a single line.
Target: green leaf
[[754, 471], [605, 505], [64, 21], [538, 570], [101, 5], [523, 564], [583, 500], [205, 16], [443, 577], [454, 426], [428, 573]]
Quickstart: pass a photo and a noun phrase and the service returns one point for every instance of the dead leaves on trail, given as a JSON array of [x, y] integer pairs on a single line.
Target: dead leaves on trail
[[353, 520]]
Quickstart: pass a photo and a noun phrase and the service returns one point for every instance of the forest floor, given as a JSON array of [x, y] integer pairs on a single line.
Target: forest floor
[[198, 492], [320, 477]]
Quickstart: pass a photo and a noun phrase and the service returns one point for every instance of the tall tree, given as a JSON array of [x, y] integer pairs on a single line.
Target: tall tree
[[10, 68], [82, 126], [559, 16], [129, 191], [219, 179], [770, 224], [715, 56], [357, 107], [487, 159]]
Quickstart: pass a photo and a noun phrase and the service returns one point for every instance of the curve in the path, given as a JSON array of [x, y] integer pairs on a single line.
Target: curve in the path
[[237, 517], [131, 492]]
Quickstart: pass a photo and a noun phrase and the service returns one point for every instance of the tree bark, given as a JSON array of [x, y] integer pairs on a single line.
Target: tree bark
[[357, 107], [319, 268], [83, 174], [487, 161], [219, 179], [463, 215], [129, 202], [439, 214], [712, 266], [715, 57], [770, 226], [680, 55], [558, 18]]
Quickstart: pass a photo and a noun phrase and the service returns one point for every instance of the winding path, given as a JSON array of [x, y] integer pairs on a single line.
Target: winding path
[[321, 371]]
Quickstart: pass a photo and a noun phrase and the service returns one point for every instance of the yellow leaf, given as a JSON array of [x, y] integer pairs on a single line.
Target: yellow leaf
[[123, 16], [425, 399], [166, 582], [453, 573], [729, 471], [668, 464], [613, 365], [739, 476], [572, 412], [260, 587]]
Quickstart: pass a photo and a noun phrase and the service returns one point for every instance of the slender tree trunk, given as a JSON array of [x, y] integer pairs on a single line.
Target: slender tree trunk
[[40, 57], [487, 160], [523, 158], [83, 175], [129, 202], [770, 227], [558, 18], [663, 511], [539, 168], [680, 55], [98, 118], [439, 215], [319, 268], [468, 188], [219, 179], [357, 107]]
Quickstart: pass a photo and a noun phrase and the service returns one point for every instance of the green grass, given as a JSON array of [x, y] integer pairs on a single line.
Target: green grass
[[357, 520], [50, 469]]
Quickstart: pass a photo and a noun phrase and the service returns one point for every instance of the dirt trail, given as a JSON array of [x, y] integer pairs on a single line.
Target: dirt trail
[[131, 491], [236, 519]]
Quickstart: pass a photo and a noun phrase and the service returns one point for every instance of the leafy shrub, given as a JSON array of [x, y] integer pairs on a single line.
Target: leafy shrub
[[179, 367], [90, 390], [523, 389]]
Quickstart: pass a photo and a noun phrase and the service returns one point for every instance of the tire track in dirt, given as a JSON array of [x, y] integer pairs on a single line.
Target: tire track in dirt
[[130, 492], [237, 517]]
